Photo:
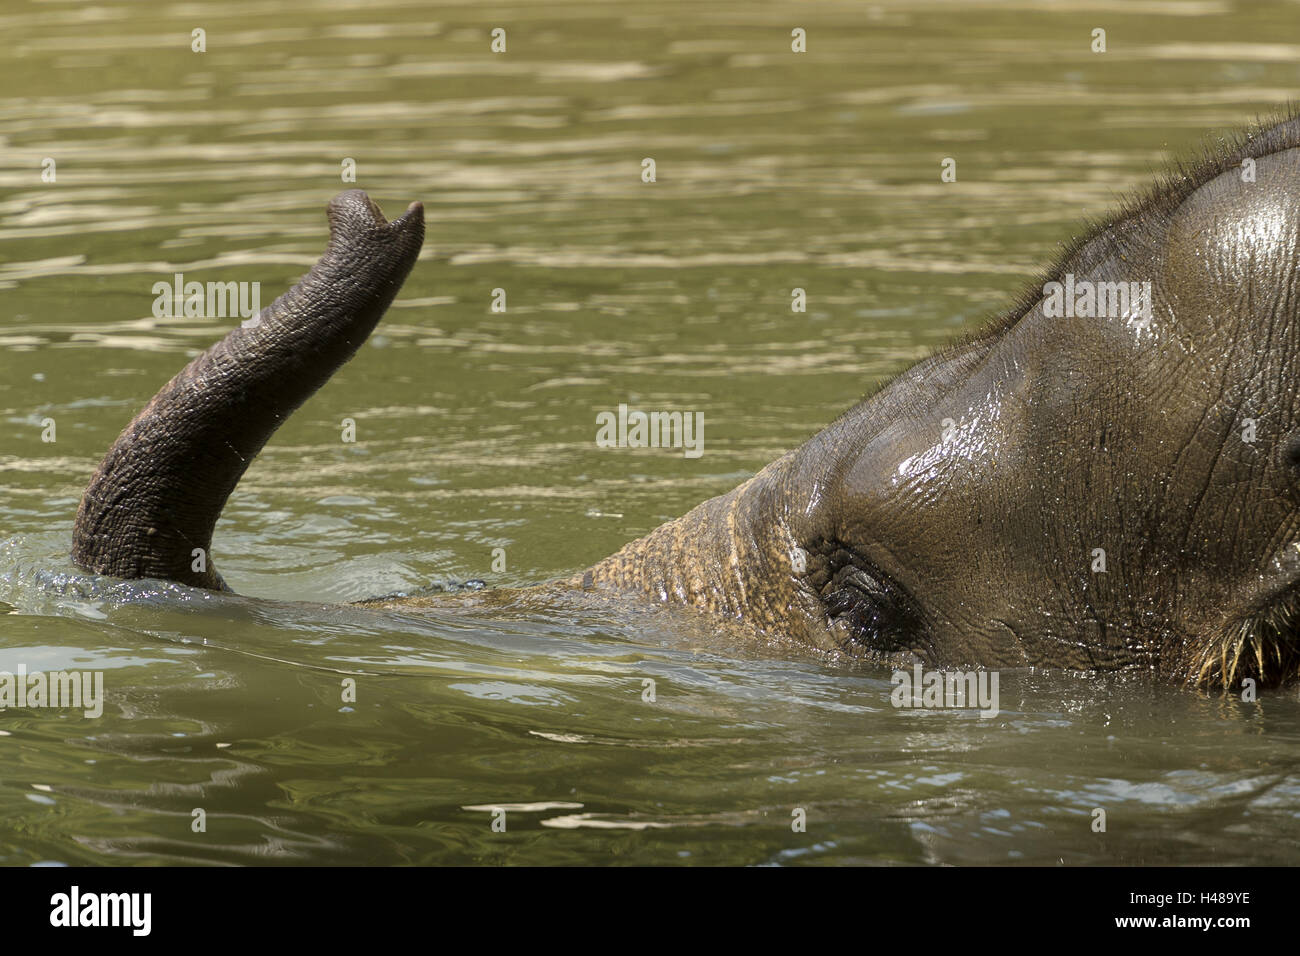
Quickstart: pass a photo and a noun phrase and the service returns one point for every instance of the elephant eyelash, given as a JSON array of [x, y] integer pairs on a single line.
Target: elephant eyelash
[[879, 615]]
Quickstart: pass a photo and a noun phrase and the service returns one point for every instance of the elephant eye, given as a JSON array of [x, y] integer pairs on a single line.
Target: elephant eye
[[878, 614]]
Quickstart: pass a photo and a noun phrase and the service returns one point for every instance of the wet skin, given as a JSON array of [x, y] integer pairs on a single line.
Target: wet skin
[[1098, 486]]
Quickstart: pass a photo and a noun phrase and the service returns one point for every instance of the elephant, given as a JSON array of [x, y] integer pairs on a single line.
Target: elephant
[[1106, 476]]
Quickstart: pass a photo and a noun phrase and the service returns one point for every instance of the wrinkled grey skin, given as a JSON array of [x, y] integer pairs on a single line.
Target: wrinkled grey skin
[[953, 517], [160, 489]]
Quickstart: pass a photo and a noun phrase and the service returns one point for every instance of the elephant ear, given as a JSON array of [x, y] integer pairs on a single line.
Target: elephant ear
[[151, 506]]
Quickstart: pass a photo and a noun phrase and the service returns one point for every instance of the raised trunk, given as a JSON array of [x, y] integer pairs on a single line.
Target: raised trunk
[[156, 497]]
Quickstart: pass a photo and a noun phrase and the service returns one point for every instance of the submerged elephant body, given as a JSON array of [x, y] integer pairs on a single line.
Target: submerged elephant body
[[1106, 477]]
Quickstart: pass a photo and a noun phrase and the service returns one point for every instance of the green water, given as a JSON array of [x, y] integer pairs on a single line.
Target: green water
[[476, 430]]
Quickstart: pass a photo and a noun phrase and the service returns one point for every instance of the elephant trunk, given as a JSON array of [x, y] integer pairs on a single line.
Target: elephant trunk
[[150, 508], [737, 556]]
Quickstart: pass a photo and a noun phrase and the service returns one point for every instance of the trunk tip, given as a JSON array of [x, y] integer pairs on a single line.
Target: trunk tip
[[353, 213]]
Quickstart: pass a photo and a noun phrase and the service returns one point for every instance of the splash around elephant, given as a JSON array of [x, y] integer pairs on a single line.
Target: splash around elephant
[[1106, 477]]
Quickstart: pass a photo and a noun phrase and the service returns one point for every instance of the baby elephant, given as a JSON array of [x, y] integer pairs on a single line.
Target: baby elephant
[[1105, 477]]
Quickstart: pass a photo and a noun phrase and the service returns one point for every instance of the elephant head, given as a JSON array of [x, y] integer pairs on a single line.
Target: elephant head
[[1107, 476]]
